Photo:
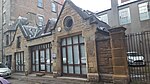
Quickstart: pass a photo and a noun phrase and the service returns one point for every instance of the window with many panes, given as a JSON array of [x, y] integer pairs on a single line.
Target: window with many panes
[[104, 18], [73, 55], [19, 62], [53, 7], [18, 41], [144, 11], [124, 16], [40, 3]]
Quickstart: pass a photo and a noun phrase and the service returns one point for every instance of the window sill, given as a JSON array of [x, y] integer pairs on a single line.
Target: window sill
[[145, 20], [54, 11], [40, 7], [125, 23]]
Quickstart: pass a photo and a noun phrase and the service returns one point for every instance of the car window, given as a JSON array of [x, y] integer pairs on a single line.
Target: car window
[[133, 54], [3, 66]]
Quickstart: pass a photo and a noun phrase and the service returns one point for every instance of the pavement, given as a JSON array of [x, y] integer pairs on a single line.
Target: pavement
[[19, 78]]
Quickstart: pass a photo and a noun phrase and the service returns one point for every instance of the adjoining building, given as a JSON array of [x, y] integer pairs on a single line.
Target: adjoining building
[[37, 11], [131, 14]]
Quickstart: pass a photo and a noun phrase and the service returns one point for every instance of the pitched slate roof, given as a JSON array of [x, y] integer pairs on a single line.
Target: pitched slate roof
[[20, 20], [31, 32], [86, 15], [28, 31], [22, 23]]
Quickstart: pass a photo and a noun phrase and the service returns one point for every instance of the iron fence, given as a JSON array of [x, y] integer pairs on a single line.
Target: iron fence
[[138, 56]]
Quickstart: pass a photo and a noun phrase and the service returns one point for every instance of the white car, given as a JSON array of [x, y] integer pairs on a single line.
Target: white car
[[135, 59], [4, 71]]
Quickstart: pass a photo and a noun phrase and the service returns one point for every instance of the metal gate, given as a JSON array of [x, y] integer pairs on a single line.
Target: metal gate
[[138, 56]]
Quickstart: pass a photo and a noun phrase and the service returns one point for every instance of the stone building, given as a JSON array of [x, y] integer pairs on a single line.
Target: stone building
[[71, 46], [53, 46], [0, 25], [37, 11], [131, 14]]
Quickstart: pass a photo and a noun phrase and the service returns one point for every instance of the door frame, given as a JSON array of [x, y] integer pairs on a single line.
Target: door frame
[[21, 56], [8, 60], [36, 49]]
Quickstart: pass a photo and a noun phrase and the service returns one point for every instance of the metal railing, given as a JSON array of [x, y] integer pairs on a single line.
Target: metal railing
[[138, 56]]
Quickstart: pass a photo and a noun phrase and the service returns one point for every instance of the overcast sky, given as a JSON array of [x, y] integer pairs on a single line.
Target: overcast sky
[[96, 5], [93, 5]]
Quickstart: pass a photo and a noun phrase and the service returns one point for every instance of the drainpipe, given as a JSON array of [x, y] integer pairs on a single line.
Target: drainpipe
[[115, 13], [2, 35]]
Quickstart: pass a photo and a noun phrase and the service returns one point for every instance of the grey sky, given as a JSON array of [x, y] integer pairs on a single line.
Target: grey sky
[[96, 5], [93, 5]]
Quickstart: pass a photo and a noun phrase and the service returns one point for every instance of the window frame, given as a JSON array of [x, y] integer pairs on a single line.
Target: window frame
[[68, 23], [124, 16], [53, 7], [104, 18], [143, 9], [19, 58], [4, 17], [65, 44], [18, 42], [7, 40], [40, 20], [40, 3], [35, 54]]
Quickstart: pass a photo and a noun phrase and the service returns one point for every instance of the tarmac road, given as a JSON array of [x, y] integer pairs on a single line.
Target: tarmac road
[[18, 79]]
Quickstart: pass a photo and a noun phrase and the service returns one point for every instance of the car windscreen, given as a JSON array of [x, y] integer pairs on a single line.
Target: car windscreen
[[3, 66]]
